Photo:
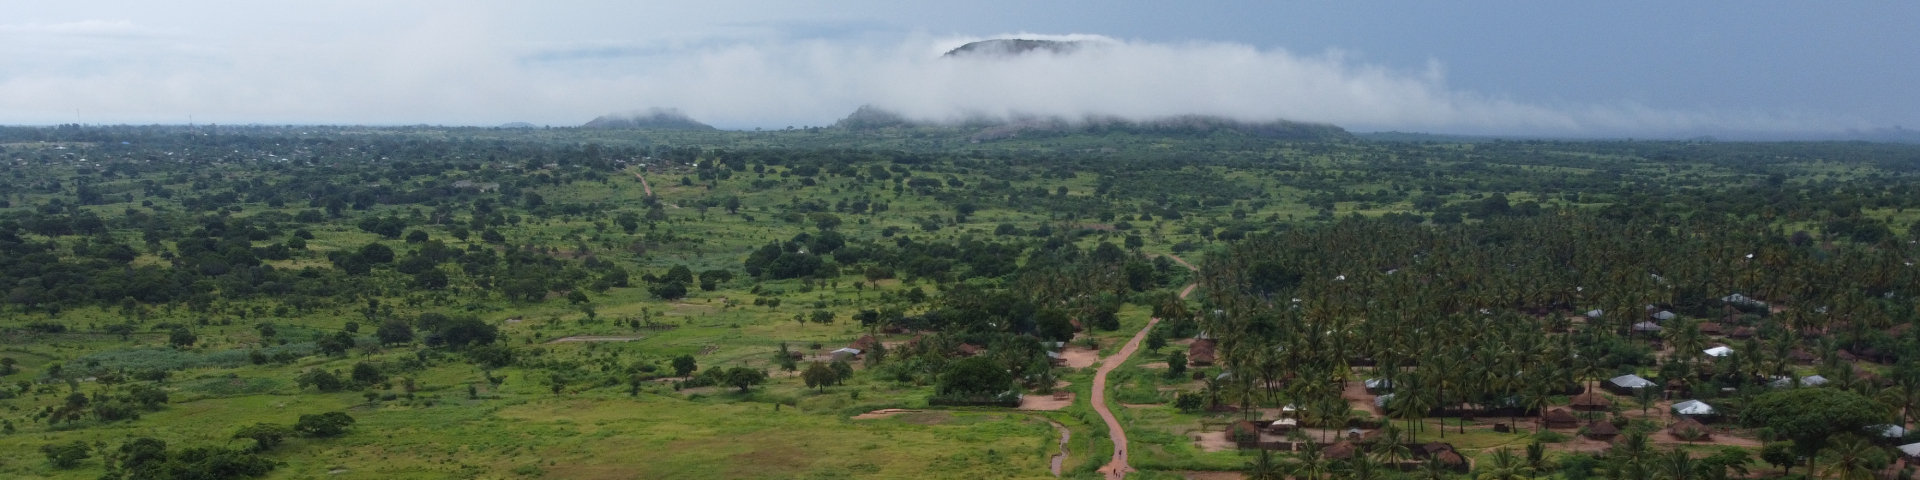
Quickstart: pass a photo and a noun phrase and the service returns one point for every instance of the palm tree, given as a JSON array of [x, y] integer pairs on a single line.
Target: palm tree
[[1362, 468], [1505, 465], [1849, 458], [1309, 462], [1264, 468], [1676, 465], [1391, 448], [1433, 469]]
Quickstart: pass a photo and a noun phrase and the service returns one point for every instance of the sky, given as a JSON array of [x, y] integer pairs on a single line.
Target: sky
[[1596, 69]]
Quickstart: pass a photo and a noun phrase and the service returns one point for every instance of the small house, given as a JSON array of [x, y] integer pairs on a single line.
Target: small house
[[1741, 333], [1710, 328], [866, 342], [1559, 418], [1663, 315], [843, 354], [1627, 384], [1377, 385], [1201, 353], [1911, 451], [1690, 430], [1647, 327], [969, 350], [1602, 430], [1283, 426], [1338, 451], [1719, 351], [1054, 358], [1591, 402], [1807, 381], [1692, 409], [1889, 431]]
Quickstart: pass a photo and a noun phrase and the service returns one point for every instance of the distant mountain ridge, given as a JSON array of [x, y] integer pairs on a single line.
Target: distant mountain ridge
[[987, 130], [1014, 46], [652, 119]]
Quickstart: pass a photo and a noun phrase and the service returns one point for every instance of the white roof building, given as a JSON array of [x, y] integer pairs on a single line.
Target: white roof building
[[1631, 381], [1647, 327], [1692, 407], [1719, 351], [1664, 315], [1889, 430], [1807, 381], [1911, 449]]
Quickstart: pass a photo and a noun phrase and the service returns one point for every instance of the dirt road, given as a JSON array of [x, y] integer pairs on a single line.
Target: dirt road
[[649, 188], [1117, 468]]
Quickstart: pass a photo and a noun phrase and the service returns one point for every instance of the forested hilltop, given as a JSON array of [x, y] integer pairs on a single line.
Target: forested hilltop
[[427, 302]]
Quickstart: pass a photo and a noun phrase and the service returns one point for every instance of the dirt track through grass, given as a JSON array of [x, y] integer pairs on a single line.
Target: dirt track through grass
[[1117, 468]]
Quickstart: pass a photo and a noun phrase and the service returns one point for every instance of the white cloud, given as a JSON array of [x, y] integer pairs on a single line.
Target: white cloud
[[450, 69]]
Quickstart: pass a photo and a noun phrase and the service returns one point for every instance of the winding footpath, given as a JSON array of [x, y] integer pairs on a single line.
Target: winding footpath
[[649, 188], [1117, 468]]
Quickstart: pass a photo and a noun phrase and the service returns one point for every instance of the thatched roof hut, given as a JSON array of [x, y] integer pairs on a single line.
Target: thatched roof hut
[[1338, 451], [1690, 430], [1590, 402], [1602, 430], [1201, 353], [1559, 418]]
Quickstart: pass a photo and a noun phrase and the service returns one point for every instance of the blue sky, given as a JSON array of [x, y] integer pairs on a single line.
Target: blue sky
[[1537, 68]]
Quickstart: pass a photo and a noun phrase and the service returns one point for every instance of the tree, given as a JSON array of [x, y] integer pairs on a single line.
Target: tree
[[330, 424], [1812, 416], [742, 378], [683, 365], [265, 436], [818, 375], [66, 455], [366, 374], [1506, 466], [1779, 455], [320, 379], [1264, 468], [394, 332], [1053, 325], [1852, 458], [1156, 340], [975, 376], [182, 338], [669, 290], [1176, 364], [8, 366]]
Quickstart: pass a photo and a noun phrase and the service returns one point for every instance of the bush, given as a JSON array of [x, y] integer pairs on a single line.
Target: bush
[[330, 424]]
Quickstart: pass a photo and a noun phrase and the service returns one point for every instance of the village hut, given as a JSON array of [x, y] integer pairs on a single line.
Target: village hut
[[1627, 384], [1710, 328], [1693, 409], [1559, 418], [1602, 430], [1690, 430], [866, 342], [1591, 402], [1338, 451], [1741, 333], [1201, 353], [969, 350]]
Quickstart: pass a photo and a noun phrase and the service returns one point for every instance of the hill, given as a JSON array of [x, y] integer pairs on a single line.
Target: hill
[[868, 118], [1014, 46], [652, 119]]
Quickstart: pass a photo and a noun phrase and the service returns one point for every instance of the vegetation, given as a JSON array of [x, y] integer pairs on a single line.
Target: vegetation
[[237, 302]]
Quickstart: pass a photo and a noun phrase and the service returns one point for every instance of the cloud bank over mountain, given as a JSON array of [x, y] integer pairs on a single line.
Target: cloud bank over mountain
[[450, 70]]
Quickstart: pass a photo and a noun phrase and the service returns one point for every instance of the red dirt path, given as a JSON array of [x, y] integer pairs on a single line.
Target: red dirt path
[[1117, 468]]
